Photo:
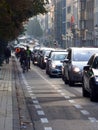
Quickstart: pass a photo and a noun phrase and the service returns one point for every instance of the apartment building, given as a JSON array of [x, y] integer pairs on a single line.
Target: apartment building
[[72, 23]]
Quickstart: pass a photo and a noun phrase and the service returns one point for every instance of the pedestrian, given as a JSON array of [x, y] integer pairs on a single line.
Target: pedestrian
[[7, 54]]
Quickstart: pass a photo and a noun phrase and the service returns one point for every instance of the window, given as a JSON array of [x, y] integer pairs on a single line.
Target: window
[[69, 9]]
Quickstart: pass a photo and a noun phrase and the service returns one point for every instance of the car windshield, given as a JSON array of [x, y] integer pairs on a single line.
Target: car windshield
[[83, 55], [95, 63], [47, 53], [58, 57]]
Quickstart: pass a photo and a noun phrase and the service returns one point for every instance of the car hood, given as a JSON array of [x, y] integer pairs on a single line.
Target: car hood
[[79, 64], [95, 71], [59, 63]]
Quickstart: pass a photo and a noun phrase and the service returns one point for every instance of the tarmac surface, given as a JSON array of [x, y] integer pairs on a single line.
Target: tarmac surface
[[13, 110]]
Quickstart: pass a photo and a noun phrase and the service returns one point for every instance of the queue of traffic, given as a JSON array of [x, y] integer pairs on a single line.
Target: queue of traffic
[[74, 65]]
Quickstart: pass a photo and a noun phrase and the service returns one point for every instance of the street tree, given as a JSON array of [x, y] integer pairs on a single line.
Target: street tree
[[14, 12]]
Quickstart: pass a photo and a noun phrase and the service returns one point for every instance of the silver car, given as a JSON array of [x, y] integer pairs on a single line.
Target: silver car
[[55, 64]]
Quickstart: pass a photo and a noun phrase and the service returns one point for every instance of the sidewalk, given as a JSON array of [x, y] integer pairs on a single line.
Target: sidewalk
[[12, 99], [8, 111]]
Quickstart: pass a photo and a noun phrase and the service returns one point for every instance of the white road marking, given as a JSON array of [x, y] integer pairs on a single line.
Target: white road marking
[[84, 112], [33, 97], [67, 97], [71, 101], [30, 91], [40, 113], [59, 90], [78, 106], [48, 128], [35, 101], [37, 106], [92, 119], [44, 120], [32, 94], [62, 94]]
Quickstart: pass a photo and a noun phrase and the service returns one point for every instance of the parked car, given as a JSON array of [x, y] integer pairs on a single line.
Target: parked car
[[34, 56], [90, 78], [73, 65], [54, 64], [44, 56]]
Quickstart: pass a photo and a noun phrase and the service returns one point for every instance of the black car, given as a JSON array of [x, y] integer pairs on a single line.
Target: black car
[[90, 78]]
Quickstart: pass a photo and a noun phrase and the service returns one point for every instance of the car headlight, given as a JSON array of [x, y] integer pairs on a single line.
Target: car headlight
[[96, 79], [53, 65], [76, 69]]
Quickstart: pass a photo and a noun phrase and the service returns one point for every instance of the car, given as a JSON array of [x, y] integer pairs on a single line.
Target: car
[[49, 58], [54, 64], [73, 65], [44, 56], [90, 78]]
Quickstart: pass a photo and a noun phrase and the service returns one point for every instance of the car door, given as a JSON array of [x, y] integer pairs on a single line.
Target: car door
[[88, 73], [67, 64]]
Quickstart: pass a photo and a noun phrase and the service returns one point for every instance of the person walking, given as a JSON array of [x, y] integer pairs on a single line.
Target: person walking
[[7, 54]]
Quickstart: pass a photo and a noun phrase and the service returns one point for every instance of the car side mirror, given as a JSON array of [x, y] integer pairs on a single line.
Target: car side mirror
[[66, 60], [49, 59], [86, 68]]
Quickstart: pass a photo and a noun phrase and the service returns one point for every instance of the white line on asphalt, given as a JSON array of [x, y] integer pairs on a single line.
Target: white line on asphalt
[[67, 97], [43, 78], [78, 106], [84, 112], [35, 101], [37, 106], [71, 101], [31, 94], [28, 86], [40, 112], [44, 120], [92, 119], [30, 91], [33, 97], [62, 94], [48, 128], [59, 90]]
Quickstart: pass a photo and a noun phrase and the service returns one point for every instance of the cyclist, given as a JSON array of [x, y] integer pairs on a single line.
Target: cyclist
[[28, 51], [23, 56]]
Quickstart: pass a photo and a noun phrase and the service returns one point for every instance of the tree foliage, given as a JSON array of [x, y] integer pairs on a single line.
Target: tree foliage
[[14, 12], [34, 28]]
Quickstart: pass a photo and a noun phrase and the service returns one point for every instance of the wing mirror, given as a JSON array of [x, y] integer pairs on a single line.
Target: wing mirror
[[86, 68]]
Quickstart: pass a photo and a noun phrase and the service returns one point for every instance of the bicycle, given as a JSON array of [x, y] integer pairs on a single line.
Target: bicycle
[[25, 66]]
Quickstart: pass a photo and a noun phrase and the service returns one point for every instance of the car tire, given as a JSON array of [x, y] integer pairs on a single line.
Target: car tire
[[65, 80], [93, 97], [85, 93], [71, 83]]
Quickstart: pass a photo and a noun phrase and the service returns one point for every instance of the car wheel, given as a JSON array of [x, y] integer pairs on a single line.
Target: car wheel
[[47, 71], [84, 91], [65, 80], [93, 96], [71, 83]]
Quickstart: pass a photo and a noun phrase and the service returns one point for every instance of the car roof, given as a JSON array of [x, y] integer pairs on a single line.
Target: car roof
[[82, 48]]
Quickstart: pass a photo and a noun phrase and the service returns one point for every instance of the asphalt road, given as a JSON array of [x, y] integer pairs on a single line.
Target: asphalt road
[[49, 104]]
